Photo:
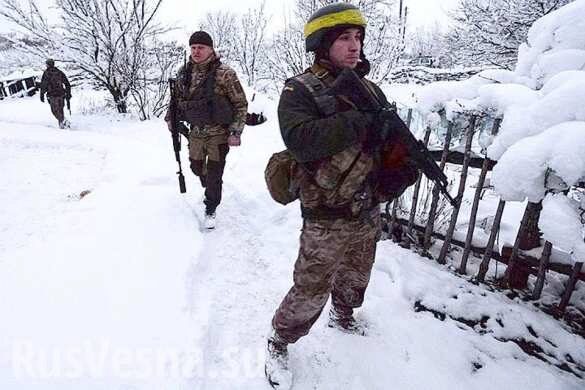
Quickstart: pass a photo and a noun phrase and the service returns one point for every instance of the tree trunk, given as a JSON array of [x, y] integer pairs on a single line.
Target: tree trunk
[[530, 237]]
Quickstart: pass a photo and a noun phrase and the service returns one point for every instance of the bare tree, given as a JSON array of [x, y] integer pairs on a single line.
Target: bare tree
[[150, 89], [425, 42], [287, 56]]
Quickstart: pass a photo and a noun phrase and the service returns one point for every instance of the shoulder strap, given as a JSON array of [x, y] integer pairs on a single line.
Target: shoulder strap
[[319, 90]]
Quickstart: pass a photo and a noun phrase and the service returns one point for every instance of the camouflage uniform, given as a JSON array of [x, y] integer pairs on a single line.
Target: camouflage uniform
[[341, 212], [55, 85], [208, 146]]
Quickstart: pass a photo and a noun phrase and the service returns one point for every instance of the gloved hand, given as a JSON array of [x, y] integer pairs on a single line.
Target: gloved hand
[[373, 136], [234, 139], [392, 182], [42, 97]]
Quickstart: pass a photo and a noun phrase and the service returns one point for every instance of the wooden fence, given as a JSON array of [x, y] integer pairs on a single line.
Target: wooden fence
[[18, 87], [402, 226]]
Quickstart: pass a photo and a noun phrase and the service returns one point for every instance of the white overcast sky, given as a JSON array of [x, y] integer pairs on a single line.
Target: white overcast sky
[[187, 13]]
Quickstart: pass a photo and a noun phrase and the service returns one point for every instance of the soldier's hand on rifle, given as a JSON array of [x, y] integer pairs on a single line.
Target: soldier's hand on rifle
[[234, 139], [372, 137]]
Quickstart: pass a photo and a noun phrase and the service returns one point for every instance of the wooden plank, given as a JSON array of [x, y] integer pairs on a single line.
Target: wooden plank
[[570, 287], [472, 218], [462, 180], [544, 261], [475, 207], [512, 279], [454, 157], [485, 262], [415, 194], [435, 196]]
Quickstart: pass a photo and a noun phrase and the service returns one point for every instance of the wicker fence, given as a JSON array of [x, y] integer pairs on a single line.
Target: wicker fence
[[402, 227]]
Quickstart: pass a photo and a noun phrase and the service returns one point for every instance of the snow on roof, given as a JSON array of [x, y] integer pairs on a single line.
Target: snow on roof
[[20, 74]]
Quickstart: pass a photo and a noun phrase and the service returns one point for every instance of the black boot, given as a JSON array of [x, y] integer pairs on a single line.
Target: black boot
[[276, 368], [343, 320]]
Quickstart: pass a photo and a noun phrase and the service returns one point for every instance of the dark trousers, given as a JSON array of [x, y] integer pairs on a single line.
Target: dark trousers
[[210, 173], [57, 104]]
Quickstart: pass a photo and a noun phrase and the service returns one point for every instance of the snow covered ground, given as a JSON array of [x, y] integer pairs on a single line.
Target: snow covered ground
[[120, 288]]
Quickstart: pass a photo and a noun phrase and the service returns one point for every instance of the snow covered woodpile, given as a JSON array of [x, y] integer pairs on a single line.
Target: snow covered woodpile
[[539, 146]]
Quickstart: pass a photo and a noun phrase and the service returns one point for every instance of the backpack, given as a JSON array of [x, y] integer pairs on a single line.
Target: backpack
[[280, 176]]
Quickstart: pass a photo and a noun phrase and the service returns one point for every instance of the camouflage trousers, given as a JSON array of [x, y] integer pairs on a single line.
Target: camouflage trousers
[[57, 104], [335, 258]]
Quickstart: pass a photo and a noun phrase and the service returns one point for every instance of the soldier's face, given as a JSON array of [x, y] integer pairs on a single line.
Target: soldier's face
[[200, 53], [345, 50]]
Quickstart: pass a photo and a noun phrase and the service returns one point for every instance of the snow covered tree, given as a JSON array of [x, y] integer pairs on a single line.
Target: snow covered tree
[[425, 42], [489, 32], [287, 55], [250, 43], [384, 43], [106, 40], [222, 26]]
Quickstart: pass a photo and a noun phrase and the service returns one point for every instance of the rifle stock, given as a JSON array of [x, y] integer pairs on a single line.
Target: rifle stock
[[176, 136], [349, 84]]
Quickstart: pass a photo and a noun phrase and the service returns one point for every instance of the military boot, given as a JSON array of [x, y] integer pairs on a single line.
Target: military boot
[[342, 319], [209, 221], [276, 367]]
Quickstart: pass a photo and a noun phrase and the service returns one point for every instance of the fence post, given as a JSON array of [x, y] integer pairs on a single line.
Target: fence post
[[435, 200], [570, 287], [416, 191], [544, 260], [487, 256], [514, 277], [467, 157], [471, 228]]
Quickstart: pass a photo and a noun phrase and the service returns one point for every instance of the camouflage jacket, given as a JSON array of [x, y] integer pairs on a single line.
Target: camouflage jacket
[[54, 83], [334, 169], [226, 84]]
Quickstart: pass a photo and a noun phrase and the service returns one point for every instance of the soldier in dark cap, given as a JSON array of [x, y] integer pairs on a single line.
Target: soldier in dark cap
[[55, 85], [212, 101]]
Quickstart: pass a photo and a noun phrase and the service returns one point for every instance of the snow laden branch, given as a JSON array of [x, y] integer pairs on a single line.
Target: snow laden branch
[[489, 32]]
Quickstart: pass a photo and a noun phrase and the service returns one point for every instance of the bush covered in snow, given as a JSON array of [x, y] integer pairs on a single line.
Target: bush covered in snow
[[542, 136]]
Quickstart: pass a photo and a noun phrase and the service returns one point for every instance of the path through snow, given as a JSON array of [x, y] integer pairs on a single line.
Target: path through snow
[[113, 289]]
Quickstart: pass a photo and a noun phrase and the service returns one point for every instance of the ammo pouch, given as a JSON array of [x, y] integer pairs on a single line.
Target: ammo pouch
[[208, 111], [280, 177]]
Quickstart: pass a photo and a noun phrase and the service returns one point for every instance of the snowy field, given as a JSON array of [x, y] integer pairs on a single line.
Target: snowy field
[[120, 288]]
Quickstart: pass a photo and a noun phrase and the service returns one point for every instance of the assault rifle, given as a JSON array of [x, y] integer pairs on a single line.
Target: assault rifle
[[68, 100], [176, 134], [349, 84]]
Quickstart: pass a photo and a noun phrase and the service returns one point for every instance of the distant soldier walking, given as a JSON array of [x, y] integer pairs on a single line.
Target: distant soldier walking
[[212, 101], [55, 85]]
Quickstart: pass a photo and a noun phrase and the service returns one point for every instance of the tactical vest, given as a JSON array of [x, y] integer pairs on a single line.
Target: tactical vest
[[206, 107], [337, 188]]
